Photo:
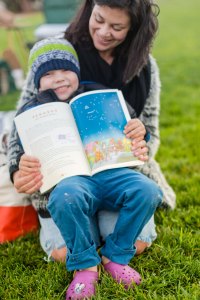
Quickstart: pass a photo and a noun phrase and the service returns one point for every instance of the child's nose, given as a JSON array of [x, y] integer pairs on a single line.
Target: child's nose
[[59, 77]]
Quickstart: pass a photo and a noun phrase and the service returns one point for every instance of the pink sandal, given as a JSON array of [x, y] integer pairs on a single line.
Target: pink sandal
[[82, 286], [123, 274]]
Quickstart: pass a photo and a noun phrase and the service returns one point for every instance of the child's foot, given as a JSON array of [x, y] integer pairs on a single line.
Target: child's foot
[[123, 274], [82, 286]]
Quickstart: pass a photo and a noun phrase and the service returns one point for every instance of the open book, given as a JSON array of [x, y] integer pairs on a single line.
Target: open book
[[82, 137]]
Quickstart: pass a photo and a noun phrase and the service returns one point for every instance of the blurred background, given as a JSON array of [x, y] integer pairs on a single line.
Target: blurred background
[[22, 22], [175, 254]]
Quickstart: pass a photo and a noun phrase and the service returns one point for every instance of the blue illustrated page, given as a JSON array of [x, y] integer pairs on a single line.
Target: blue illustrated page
[[100, 119]]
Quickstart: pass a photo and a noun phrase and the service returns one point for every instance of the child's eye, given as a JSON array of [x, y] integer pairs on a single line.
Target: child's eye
[[47, 74]]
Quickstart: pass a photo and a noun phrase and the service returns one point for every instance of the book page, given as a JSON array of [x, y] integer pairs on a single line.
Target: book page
[[100, 117], [49, 133]]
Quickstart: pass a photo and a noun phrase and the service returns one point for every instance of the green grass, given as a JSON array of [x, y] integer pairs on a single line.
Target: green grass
[[171, 267]]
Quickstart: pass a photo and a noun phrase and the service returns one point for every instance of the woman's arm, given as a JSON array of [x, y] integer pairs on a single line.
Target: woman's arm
[[15, 149], [150, 118], [151, 111], [29, 91]]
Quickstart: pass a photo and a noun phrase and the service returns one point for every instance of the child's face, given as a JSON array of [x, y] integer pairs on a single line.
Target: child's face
[[63, 82]]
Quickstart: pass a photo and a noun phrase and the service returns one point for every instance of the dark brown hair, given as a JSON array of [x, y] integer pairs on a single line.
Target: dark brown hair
[[136, 47]]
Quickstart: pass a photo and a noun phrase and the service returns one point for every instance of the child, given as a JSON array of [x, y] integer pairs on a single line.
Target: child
[[74, 200]]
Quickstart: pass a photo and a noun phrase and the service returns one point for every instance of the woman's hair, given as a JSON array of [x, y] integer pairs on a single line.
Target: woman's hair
[[136, 47]]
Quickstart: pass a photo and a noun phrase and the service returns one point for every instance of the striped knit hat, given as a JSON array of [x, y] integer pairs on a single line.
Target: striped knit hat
[[52, 54]]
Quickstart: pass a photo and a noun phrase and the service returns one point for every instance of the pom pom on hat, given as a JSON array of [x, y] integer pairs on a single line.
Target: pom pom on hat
[[52, 54]]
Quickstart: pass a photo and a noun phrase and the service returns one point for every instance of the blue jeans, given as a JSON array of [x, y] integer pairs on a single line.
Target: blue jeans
[[76, 199]]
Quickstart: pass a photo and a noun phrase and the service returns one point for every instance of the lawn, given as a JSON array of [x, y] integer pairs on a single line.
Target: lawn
[[171, 267]]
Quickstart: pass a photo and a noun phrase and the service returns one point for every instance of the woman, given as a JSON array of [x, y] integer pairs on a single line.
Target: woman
[[115, 53]]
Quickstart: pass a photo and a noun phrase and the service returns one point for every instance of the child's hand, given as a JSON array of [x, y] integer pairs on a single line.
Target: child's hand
[[28, 178], [140, 150], [135, 130], [29, 164]]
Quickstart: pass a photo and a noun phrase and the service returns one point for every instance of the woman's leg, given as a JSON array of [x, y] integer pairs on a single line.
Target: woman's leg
[[146, 236], [51, 240]]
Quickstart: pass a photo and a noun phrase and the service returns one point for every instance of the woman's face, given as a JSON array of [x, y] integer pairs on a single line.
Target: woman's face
[[108, 27]]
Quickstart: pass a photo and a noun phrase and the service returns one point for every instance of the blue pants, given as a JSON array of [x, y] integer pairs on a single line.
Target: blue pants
[[74, 200]]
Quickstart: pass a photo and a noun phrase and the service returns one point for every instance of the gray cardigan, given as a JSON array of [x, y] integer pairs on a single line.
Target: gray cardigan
[[149, 117]]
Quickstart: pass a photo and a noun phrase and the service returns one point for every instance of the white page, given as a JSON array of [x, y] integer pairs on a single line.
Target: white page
[[49, 133]]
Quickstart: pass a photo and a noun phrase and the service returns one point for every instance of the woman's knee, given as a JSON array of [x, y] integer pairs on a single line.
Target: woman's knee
[[107, 221]]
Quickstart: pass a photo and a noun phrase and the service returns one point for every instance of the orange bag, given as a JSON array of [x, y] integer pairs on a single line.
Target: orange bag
[[17, 215]]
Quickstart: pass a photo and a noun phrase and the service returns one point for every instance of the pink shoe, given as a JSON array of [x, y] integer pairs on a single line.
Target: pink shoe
[[123, 274], [82, 286]]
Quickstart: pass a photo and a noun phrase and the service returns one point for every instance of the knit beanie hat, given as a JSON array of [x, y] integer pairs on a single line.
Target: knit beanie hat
[[52, 54]]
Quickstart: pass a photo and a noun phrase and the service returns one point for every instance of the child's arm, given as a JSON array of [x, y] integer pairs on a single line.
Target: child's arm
[[28, 178]]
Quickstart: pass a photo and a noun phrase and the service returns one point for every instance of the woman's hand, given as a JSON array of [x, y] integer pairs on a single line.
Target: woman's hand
[[28, 178], [135, 130]]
